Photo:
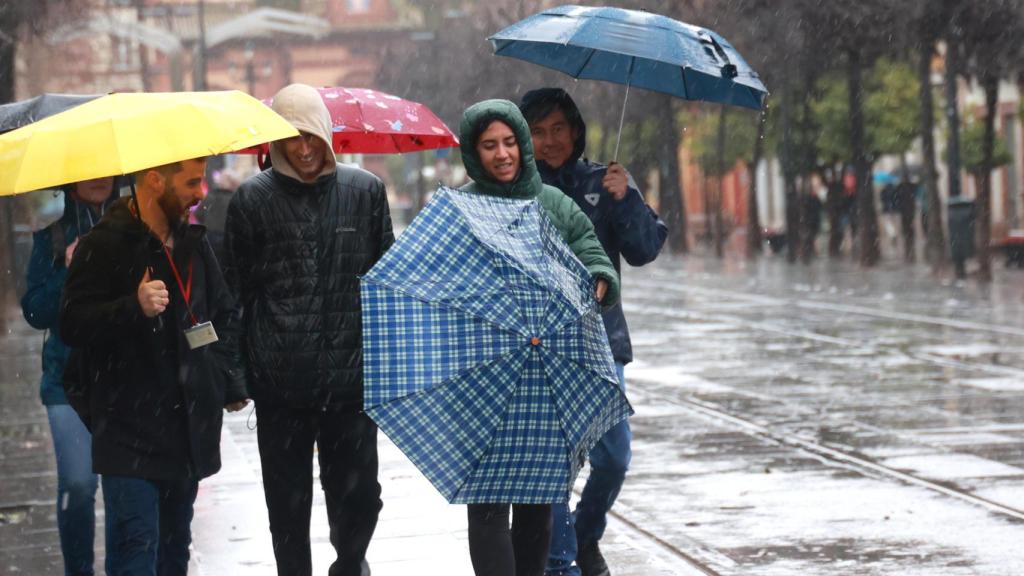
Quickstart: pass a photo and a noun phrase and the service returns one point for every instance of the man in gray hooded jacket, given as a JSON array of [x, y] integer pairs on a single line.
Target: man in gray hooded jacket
[[297, 238]]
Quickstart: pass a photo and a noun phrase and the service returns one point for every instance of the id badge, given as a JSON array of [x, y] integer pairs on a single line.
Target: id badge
[[200, 335]]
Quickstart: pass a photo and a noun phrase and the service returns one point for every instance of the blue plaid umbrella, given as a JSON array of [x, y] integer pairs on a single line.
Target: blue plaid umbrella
[[636, 49], [485, 357]]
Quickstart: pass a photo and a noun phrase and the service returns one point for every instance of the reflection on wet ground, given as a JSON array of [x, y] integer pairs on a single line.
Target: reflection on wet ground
[[790, 420], [876, 420]]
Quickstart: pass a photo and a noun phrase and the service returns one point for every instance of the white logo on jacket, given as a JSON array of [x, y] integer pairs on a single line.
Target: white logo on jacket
[[593, 198]]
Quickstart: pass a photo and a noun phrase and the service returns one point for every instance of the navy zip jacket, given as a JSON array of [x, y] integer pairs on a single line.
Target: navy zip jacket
[[627, 229], [45, 280]]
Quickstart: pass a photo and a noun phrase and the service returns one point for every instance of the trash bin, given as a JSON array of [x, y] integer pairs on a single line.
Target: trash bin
[[961, 219]]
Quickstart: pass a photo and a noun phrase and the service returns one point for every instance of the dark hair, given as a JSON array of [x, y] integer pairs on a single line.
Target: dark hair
[[537, 105], [167, 170], [484, 123]]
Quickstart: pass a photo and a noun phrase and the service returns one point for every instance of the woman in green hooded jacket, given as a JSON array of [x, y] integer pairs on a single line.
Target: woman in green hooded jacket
[[497, 152]]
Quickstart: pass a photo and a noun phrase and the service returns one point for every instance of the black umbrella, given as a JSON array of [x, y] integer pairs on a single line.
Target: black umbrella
[[18, 114]]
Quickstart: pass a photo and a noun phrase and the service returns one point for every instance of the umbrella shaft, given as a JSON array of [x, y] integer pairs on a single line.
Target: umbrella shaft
[[622, 117]]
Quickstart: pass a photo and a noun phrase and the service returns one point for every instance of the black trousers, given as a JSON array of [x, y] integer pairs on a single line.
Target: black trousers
[[497, 551], [347, 443]]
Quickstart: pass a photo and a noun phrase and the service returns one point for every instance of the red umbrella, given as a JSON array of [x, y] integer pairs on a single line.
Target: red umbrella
[[370, 122]]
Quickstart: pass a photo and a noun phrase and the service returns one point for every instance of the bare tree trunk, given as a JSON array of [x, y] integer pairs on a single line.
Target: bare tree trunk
[[935, 238], [834, 209], [990, 83], [719, 237], [868, 219], [755, 243], [671, 202]]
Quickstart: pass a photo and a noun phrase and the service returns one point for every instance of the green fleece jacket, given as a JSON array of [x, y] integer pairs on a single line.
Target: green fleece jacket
[[571, 222]]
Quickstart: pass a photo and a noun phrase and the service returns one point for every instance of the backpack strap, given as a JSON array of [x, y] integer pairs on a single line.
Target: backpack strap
[[59, 242]]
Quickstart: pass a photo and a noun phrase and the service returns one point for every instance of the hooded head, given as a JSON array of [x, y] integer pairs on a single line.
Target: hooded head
[[86, 201], [557, 128], [308, 156], [475, 121]]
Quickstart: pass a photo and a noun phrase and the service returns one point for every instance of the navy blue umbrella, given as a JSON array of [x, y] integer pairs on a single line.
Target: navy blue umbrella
[[24, 112], [636, 49]]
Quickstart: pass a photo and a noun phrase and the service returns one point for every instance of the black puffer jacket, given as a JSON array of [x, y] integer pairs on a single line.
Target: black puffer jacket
[[294, 254], [155, 406]]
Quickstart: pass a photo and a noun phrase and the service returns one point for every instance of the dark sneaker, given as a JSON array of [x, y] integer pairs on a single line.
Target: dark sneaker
[[590, 560]]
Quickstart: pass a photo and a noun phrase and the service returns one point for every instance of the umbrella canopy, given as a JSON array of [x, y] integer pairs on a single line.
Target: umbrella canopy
[[18, 114], [637, 49], [366, 121], [485, 356], [124, 133]]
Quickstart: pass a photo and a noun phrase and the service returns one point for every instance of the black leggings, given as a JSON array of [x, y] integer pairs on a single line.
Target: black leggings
[[497, 551]]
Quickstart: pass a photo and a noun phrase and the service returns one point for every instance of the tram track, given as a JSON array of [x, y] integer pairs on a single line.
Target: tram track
[[704, 559]]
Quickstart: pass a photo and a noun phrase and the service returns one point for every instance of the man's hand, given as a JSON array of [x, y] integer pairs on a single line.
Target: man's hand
[[69, 252], [236, 406], [153, 296], [616, 181], [601, 289]]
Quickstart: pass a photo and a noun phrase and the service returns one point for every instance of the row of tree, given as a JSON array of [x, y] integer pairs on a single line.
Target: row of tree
[[813, 52], [850, 81]]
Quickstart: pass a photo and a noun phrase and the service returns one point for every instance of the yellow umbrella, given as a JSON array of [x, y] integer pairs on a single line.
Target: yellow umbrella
[[124, 133]]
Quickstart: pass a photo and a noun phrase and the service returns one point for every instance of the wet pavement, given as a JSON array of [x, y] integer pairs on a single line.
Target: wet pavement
[[790, 420]]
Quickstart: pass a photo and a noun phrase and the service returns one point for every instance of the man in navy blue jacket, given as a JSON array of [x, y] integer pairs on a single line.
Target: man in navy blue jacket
[[627, 228]]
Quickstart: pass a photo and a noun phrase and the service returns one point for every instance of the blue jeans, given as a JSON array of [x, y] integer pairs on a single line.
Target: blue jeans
[[148, 525], [609, 460], [76, 489]]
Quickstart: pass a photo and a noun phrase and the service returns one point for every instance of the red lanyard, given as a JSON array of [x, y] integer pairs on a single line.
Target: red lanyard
[[186, 289]]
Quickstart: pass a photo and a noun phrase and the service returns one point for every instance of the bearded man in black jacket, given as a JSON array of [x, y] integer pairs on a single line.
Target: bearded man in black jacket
[[143, 298], [298, 236]]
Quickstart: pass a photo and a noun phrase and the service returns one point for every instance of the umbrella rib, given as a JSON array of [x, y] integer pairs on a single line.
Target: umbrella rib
[[405, 292], [585, 63], [504, 416], [682, 76]]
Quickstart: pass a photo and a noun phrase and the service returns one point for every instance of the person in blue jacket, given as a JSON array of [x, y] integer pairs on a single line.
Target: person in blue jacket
[[627, 228], [52, 247]]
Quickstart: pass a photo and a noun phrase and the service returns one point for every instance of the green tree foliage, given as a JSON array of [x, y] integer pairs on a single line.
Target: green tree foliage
[[892, 112], [702, 129], [972, 140]]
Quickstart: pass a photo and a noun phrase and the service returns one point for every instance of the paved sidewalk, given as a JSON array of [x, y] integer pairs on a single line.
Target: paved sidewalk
[[418, 533]]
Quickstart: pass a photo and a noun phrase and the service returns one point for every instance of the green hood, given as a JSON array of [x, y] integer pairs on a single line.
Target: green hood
[[475, 120]]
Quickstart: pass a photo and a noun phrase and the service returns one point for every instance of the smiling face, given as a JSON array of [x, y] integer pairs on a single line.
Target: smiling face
[[306, 154], [499, 152], [182, 189], [553, 139]]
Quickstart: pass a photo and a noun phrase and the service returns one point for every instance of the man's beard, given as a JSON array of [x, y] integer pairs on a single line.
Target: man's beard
[[171, 206]]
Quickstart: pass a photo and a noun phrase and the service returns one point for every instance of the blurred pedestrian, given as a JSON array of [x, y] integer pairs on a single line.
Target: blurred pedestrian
[[143, 306], [890, 212], [498, 155], [810, 223], [628, 228], [52, 248], [298, 236], [906, 204], [212, 212]]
